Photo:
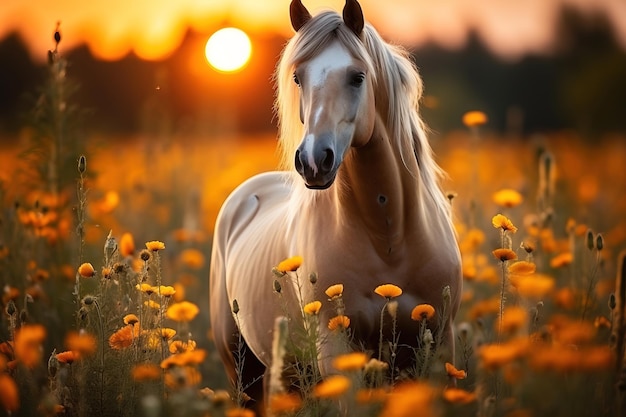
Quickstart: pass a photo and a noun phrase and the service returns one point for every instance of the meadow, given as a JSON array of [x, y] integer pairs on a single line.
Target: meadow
[[104, 254]]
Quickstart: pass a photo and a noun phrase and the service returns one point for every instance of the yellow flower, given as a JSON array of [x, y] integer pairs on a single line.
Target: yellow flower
[[127, 245], [504, 254], [339, 322], [455, 373], [146, 372], [561, 260], [354, 361], [183, 311], [152, 304], [458, 396], [192, 258], [422, 311], [167, 333], [474, 118], [332, 387], [312, 308], [507, 198], [155, 245], [388, 291], [86, 270], [146, 288], [165, 290], [284, 403], [124, 337], [334, 291], [178, 346], [131, 319], [290, 264], [522, 268], [500, 221]]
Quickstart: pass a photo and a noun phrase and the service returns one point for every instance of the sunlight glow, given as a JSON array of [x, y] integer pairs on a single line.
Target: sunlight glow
[[228, 49]]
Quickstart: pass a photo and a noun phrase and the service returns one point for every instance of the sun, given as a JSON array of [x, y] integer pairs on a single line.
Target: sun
[[228, 49]]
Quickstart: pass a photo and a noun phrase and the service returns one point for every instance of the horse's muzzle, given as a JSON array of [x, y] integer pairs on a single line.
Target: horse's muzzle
[[317, 167]]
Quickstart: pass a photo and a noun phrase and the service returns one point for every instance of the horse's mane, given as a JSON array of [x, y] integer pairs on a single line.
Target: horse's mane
[[397, 85]]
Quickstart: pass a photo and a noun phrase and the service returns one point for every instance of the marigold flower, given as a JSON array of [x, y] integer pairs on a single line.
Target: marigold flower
[[167, 333], [131, 319], [187, 377], [513, 319], [67, 357], [334, 291], [127, 245], [458, 396], [339, 322], [145, 288], [145, 372], [155, 245], [407, 398], [561, 260], [534, 286], [81, 342], [455, 373], [165, 290], [178, 346], [239, 412], [495, 356], [28, 340], [188, 358], [124, 337], [284, 403], [9, 394], [290, 264], [422, 312], [312, 308], [332, 387], [474, 118], [388, 291], [86, 270], [152, 304], [500, 221], [507, 198], [354, 361], [522, 268], [504, 254], [192, 258], [182, 312]]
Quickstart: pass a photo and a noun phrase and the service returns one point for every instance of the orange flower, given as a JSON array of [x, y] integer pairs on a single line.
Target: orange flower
[[474, 118], [124, 337], [339, 322], [239, 412], [388, 291], [497, 355], [285, 403], [127, 245], [9, 394], [312, 308], [178, 346], [131, 319], [534, 286], [166, 333], [165, 290], [458, 396], [334, 291], [410, 398], [504, 254], [522, 268], [182, 312], [500, 221], [188, 377], [81, 342], [146, 372], [290, 264], [371, 395], [422, 312], [155, 245], [86, 270], [507, 198], [67, 357], [146, 288], [513, 319], [332, 387], [192, 258], [28, 340], [455, 373], [561, 260], [354, 361]]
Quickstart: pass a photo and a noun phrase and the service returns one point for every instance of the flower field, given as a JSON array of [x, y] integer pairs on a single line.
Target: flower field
[[104, 254]]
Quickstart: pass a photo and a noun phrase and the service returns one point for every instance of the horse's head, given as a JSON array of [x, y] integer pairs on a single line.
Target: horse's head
[[336, 95]]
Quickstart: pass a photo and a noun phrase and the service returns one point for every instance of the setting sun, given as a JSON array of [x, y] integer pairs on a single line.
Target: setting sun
[[228, 49]]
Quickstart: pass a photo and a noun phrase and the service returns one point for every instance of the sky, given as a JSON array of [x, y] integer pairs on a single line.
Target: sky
[[153, 29]]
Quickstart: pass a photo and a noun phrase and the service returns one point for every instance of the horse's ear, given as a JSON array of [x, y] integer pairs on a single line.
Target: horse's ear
[[353, 16], [299, 14]]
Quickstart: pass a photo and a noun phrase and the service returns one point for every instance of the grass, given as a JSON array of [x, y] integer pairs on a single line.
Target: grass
[[104, 275]]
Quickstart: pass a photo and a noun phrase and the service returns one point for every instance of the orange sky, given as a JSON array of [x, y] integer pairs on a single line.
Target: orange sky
[[155, 28]]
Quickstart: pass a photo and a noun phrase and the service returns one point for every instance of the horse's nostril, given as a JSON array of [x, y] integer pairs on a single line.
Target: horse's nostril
[[328, 161], [298, 163]]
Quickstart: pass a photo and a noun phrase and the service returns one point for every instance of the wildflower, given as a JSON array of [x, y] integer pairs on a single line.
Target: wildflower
[[455, 373], [127, 245], [9, 394], [165, 290], [422, 312], [504, 254], [339, 322], [522, 268], [145, 288], [155, 245], [107, 272], [513, 319], [354, 361], [192, 258], [67, 357], [28, 340], [534, 286], [124, 337], [166, 333], [410, 398], [239, 412], [145, 372], [178, 346], [507, 198], [332, 387], [495, 356], [388, 291], [131, 319], [474, 118], [312, 308], [500, 221], [283, 402], [183, 311], [177, 378], [561, 260], [458, 396], [602, 322], [152, 304], [81, 342], [334, 291], [290, 264], [86, 270], [145, 255]]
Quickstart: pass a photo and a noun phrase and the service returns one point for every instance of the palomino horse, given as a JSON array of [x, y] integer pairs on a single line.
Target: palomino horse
[[361, 203]]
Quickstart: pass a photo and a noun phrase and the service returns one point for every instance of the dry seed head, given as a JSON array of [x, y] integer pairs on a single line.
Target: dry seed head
[[277, 286], [82, 164], [11, 309], [313, 278], [235, 306], [590, 240], [88, 300], [144, 255], [612, 301], [599, 242]]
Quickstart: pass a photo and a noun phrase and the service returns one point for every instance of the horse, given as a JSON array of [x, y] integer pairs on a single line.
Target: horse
[[359, 199]]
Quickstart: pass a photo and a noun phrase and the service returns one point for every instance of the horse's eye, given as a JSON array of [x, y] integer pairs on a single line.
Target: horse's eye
[[296, 80], [357, 79]]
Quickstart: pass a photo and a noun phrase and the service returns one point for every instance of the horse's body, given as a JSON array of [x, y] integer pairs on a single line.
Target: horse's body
[[365, 210]]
